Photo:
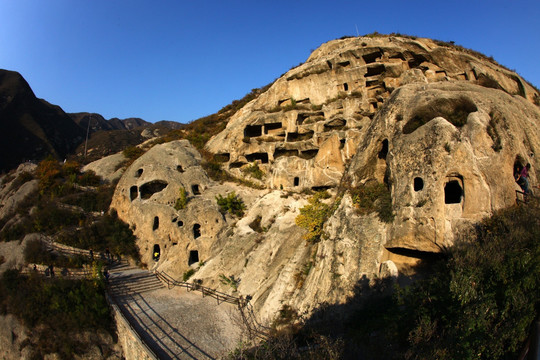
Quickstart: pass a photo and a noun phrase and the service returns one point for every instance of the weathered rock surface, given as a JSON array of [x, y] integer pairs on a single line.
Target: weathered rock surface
[[307, 126], [441, 127], [108, 168]]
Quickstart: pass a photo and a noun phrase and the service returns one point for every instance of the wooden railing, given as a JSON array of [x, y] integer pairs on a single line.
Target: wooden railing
[[255, 329], [206, 291]]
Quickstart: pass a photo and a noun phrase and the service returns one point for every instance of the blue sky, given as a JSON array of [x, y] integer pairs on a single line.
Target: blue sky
[[181, 60]]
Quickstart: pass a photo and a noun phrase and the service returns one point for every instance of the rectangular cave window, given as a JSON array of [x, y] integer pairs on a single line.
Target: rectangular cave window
[[293, 136], [300, 118], [453, 192], [372, 57], [374, 70], [345, 87], [156, 223], [384, 150], [262, 157], [296, 181], [195, 189], [193, 257], [272, 127], [253, 130], [284, 152], [309, 154]]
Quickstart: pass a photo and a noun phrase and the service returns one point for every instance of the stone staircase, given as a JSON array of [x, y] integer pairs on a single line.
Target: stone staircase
[[126, 280]]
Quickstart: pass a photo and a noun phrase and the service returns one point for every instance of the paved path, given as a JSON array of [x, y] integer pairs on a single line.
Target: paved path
[[176, 324]]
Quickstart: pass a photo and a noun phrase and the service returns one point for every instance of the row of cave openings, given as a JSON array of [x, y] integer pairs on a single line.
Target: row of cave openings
[[276, 129], [196, 227], [453, 187]]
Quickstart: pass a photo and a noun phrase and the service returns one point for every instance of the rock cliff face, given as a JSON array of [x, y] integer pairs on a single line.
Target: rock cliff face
[[443, 128], [31, 128]]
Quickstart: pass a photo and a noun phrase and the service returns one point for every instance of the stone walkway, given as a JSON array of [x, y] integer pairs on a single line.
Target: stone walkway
[[176, 324]]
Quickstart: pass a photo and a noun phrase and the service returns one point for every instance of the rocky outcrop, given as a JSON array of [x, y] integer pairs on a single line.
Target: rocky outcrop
[[307, 126], [441, 127], [146, 198], [450, 153], [108, 168]]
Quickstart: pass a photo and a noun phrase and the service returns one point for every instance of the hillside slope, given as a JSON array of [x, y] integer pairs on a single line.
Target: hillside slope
[[31, 128], [413, 139]]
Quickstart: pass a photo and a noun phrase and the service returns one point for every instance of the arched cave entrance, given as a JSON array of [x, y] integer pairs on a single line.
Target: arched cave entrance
[[453, 192], [196, 231], [195, 189], [156, 253], [384, 150], [193, 257], [418, 184]]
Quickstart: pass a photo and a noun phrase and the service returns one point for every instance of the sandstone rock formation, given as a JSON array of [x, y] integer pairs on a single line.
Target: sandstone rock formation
[[442, 127]]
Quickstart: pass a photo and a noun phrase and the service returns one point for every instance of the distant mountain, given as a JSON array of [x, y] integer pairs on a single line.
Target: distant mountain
[[129, 123], [99, 123], [111, 136], [31, 128]]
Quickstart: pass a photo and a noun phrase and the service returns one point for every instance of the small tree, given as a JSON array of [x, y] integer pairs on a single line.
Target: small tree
[[232, 203], [313, 216], [182, 201]]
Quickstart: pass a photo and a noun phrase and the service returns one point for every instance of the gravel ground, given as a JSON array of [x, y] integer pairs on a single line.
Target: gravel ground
[[176, 323]]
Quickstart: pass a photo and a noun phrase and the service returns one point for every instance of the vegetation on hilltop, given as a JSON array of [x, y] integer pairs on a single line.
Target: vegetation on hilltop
[[199, 131]]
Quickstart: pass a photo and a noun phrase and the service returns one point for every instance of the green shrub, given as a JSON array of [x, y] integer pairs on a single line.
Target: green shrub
[[55, 311], [50, 218], [254, 171], [229, 280], [36, 252], [478, 303], [189, 273], [482, 302], [88, 178], [313, 216], [133, 152], [374, 197], [182, 200], [22, 178], [98, 200], [107, 232], [232, 203]]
